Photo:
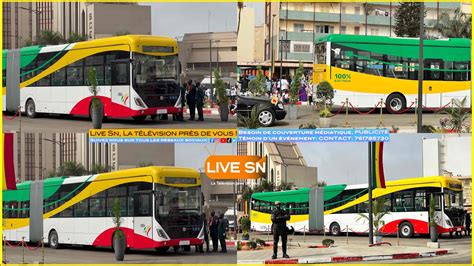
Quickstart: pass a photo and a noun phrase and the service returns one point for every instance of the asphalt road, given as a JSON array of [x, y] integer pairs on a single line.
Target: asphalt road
[[462, 246], [55, 123], [88, 255]]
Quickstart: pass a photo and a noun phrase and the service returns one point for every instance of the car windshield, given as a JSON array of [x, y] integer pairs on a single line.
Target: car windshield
[[148, 68]]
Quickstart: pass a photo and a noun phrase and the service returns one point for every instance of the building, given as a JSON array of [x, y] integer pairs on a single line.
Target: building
[[285, 164], [23, 21], [295, 26], [218, 194], [37, 154], [200, 53]]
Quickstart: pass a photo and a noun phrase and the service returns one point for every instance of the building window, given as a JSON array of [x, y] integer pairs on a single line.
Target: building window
[[357, 10], [356, 30], [343, 30], [301, 48], [374, 32], [324, 29], [343, 10], [298, 27]]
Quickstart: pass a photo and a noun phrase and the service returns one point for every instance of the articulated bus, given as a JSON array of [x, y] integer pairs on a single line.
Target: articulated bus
[[160, 208], [137, 76], [366, 69], [406, 200]]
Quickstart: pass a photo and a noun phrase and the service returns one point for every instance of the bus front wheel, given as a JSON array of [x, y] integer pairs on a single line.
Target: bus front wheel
[[30, 109], [53, 240], [139, 118], [395, 103], [161, 250], [405, 230], [335, 229]]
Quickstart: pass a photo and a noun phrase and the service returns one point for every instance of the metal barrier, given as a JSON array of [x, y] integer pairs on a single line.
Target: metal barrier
[[23, 245]]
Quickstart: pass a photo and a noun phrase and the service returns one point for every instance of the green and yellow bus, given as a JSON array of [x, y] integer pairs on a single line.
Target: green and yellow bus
[[366, 69], [160, 208], [407, 201]]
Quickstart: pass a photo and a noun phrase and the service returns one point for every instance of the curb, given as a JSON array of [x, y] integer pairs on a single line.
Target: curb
[[338, 259]]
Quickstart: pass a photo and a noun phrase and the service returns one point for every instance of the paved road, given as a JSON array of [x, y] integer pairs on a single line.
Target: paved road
[[462, 246], [406, 121], [50, 123], [102, 255]]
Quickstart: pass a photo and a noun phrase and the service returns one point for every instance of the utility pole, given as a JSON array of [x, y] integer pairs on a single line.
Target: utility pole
[[421, 64], [210, 60], [371, 173], [272, 48], [281, 59]]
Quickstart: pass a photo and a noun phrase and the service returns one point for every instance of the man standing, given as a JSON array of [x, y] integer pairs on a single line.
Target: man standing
[[182, 91], [467, 216], [213, 230], [191, 100], [200, 101], [223, 226], [279, 218]]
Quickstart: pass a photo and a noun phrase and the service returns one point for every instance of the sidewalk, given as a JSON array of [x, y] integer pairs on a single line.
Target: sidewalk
[[302, 253]]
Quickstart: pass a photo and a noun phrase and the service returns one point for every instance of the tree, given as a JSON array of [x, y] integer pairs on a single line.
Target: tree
[[264, 186], [75, 37], [240, 6], [286, 186], [49, 37], [71, 168], [407, 19], [325, 93], [296, 85], [322, 184], [379, 210], [457, 27], [459, 116], [368, 8], [220, 88], [97, 169], [257, 85]]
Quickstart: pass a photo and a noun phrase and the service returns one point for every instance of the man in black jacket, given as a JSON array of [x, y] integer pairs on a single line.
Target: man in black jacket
[[200, 101], [191, 99], [279, 218]]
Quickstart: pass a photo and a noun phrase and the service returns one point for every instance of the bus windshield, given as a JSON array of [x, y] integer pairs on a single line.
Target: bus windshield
[[320, 53], [452, 199], [149, 68], [171, 200]]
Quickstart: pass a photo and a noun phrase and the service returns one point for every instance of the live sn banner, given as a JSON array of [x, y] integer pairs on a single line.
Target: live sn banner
[[234, 135]]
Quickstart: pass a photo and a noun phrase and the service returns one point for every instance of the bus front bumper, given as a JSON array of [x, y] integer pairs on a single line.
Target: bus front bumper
[[156, 111], [180, 242]]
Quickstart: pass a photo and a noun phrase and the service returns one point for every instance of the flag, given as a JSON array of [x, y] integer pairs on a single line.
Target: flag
[[378, 177], [8, 169]]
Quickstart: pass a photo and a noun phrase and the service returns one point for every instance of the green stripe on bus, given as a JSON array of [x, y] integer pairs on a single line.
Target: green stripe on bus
[[28, 55], [299, 195], [22, 193]]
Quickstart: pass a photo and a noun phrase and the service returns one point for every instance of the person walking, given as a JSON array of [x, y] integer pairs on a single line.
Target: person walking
[[279, 218], [191, 100], [212, 223], [200, 101], [467, 231], [223, 226]]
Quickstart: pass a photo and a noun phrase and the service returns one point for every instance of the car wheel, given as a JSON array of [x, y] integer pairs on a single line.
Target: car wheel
[[405, 230], [30, 109], [395, 103], [53, 240], [335, 229], [266, 117]]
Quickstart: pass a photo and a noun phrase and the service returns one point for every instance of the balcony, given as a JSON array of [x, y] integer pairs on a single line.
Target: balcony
[[301, 36], [304, 57]]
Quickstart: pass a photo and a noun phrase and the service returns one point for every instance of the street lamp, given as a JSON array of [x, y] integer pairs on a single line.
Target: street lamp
[[272, 40], [37, 12]]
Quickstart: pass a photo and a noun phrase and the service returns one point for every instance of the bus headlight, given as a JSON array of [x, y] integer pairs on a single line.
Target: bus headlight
[[139, 102], [162, 233]]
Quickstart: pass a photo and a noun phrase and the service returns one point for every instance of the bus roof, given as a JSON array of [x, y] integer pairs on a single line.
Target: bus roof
[[51, 185], [349, 38], [331, 191]]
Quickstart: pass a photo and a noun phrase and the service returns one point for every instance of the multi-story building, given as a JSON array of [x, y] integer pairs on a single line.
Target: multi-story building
[[36, 154], [22, 21], [200, 53], [294, 26]]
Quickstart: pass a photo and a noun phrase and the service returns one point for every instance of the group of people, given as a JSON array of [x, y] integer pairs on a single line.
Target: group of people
[[216, 228], [193, 95], [281, 88]]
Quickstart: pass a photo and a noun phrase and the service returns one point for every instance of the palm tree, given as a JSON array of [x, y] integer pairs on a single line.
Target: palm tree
[[459, 115], [97, 169], [285, 186], [378, 212], [457, 27], [264, 186], [71, 168], [49, 37], [76, 37], [240, 6], [368, 8]]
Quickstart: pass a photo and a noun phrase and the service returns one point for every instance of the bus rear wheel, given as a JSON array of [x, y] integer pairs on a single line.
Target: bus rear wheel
[[335, 229], [395, 103], [405, 230], [30, 109], [53, 239]]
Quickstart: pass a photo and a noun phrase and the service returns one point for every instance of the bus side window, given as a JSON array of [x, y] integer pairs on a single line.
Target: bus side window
[[462, 73], [97, 205], [120, 74], [143, 204], [448, 75]]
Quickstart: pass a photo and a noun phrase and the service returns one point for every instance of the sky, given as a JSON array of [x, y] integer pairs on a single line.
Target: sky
[[176, 19], [338, 163]]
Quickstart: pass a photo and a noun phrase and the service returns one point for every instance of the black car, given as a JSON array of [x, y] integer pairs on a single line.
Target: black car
[[267, 112]]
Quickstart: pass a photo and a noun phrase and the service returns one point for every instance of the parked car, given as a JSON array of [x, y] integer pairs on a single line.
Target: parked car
[[267, 112]]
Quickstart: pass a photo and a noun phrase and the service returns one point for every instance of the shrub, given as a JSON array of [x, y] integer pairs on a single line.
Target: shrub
[[252, 244], [328, 242], [239, 245], [260, 242]]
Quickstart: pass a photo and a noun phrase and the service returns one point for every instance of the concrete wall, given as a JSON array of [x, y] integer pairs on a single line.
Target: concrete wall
[[302, 176], [130, 155], [218, 195], [259, 47], [246, 37], [109, 19]]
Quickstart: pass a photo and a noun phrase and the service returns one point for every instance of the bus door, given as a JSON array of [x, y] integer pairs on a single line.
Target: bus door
[[143, 219], [431, 99], [120, 90]]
